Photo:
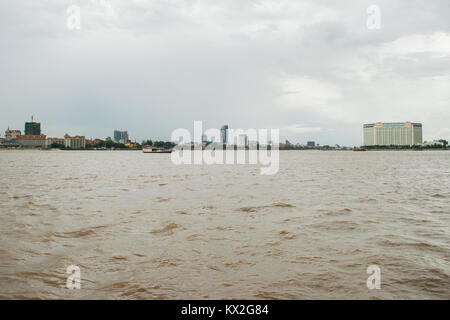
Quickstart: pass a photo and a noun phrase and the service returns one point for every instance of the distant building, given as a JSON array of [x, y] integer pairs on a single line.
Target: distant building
[[31, 141], [253, 145], [12, 134], [434, 143], [224, 134], [242, 140], [131, 145], [76, 142], [392, 134], [91, 142], [121, 136], [51, 141], [311, 144], [32, 128]]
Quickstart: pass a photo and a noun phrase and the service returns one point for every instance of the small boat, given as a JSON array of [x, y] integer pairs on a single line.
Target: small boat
[[155, 150]]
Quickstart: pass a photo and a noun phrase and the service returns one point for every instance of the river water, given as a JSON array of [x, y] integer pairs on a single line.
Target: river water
[[139, 227]]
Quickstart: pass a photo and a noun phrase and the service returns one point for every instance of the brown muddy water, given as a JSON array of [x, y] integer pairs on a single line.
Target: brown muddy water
[[140, 227]]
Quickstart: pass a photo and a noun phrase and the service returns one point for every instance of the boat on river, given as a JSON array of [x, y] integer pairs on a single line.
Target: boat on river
[[155, 150]]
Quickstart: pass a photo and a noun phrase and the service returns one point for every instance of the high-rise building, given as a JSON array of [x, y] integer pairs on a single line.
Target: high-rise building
[[392, 134], [224, 134], [32, 128], [121, 136]]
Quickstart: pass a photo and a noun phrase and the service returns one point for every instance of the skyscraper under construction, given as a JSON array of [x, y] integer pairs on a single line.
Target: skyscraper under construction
[[32, 128]]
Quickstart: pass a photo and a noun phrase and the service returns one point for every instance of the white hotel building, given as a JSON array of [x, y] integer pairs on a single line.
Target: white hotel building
[[77, 142], [392, 134]]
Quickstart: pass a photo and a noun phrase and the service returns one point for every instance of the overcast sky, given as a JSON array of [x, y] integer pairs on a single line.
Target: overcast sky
[[311, 68]]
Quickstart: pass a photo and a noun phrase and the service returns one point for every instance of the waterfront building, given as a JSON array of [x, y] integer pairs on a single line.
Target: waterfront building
[[224, 134], [121, 136], [434, 143], [90, 142], [131, 145], [392, 134], [253, 145], [310, 144], [30, 140], [242, 140], [51, 141], [76, 142], [12, 134]]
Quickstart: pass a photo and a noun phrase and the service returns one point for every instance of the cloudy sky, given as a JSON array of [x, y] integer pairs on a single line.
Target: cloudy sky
[[311, 68]]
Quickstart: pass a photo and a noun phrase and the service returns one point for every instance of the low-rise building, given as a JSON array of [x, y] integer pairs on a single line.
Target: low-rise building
[[131, 145], [51, 141], [434, 143], [242, 140], [76, 142], [12, 134], [31, 140]]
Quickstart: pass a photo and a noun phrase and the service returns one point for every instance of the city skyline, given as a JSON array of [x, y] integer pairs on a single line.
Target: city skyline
[[375, 135], [117, 133], [313, 70]]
